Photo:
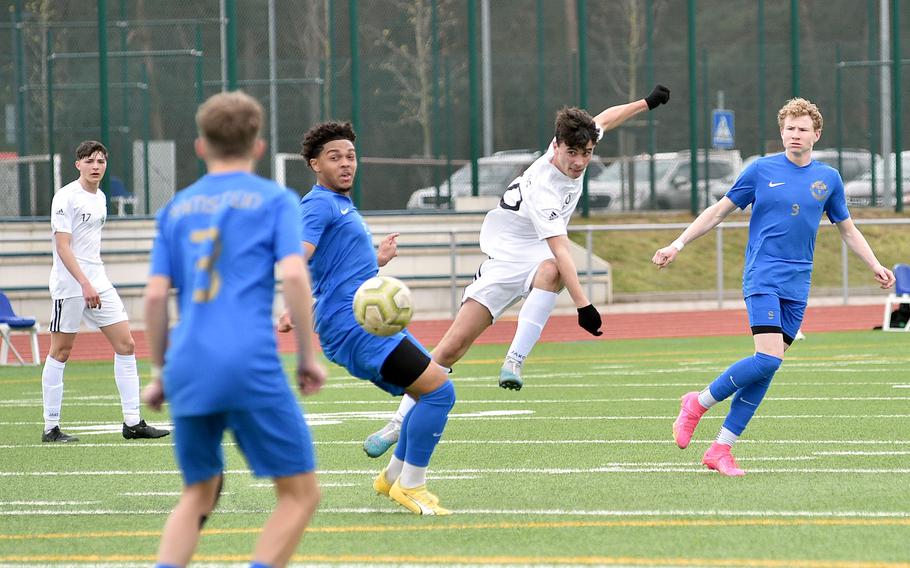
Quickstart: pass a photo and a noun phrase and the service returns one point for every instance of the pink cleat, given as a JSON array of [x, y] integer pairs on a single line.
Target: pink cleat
[[719, 458], [690, 412]]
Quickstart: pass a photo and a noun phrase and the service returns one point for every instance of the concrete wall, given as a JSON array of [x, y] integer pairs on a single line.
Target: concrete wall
[[424, 262]]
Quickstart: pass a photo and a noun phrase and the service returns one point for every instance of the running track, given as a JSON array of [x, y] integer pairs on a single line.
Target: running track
[[93, 346]]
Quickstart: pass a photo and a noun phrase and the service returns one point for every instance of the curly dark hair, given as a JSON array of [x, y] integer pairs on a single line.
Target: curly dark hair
[[575, 127], [89, 147], [318, 136]]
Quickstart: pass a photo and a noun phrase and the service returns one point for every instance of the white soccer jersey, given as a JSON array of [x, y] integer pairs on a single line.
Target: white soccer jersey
[[535, 207], [82, 214]]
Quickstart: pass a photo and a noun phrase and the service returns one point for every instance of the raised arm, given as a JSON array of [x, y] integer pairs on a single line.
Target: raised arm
[[616, 115], [707, 220]]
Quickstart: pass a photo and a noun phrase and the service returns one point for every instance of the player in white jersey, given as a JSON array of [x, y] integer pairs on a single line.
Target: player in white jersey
[[526, 241], [80, 289]]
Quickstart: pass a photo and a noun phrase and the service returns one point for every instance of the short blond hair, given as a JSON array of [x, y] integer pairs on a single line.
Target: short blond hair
[[230, 123], [798, 107]]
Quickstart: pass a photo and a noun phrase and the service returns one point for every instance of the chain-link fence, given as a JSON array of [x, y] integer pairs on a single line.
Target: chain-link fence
[[431, 83]]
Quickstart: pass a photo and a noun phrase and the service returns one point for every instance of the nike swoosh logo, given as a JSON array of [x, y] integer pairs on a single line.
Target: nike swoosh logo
[[345, 211], [773, 184]]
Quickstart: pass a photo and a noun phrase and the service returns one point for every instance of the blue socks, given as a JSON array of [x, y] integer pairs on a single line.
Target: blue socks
[[423, 426], [259, 565], [749, 379], [744, 404], [742, 374]]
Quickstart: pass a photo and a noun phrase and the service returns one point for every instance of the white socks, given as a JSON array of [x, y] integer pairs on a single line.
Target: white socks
[[533, 316], [726, 437], [125, 374], [394, 469], [412, 476], [127, 378], [705, 399], [52, 391], [407, 403]]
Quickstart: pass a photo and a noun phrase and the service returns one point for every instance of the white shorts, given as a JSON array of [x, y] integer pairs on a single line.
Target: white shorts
[[68, 313], [498, 284]]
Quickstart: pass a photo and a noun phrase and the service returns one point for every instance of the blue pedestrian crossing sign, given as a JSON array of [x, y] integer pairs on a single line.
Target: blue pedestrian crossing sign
[[723, 130]]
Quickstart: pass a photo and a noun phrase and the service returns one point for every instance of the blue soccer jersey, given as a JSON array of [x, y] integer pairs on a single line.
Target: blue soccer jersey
[[344, 256], [218, 241], [343, 260], [787, 206]]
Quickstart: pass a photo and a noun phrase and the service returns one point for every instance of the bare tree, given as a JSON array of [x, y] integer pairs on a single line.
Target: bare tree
[[619, 31], [409, 62]]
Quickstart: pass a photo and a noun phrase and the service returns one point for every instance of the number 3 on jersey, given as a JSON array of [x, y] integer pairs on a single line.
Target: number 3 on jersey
[[208, 281]]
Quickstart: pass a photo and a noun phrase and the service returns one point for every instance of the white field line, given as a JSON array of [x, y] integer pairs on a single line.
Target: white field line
[[622, 467], [863, 453], [321, 485], [511, 442], [49, 503], [669, 417], [310, 403], [379, 415], [158, 493], [671, 513]]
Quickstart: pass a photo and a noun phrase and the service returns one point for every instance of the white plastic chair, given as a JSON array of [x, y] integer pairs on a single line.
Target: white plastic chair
[[900, 295]]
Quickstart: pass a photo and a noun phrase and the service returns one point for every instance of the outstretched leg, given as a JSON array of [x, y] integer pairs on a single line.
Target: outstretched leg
[[532, 318], [380, 441], [472, 319]]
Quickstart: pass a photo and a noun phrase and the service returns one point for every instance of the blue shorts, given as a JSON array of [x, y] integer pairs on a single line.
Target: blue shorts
[[770, 314], [363, 353], [275, 441]]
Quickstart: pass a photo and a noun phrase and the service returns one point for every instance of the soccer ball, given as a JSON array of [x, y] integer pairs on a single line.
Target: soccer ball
[[382, 305]]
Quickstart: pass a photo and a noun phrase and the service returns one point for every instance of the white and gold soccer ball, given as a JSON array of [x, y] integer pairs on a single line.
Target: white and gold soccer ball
[[382, 305]]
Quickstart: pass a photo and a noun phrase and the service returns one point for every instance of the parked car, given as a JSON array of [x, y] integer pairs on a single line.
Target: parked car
[[495, 173], [859, 191], [672, 179], [854, 162]]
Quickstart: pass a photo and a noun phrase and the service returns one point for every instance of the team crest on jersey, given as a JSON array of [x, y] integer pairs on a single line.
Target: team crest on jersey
[[819, 190]]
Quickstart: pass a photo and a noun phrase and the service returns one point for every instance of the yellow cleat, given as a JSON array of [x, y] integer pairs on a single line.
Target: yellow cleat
[[417, 500], [381, 484]]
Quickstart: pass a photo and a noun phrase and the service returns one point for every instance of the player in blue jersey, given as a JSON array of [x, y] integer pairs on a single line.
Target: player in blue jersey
[[217, 244], [789, 193], [339, 247]]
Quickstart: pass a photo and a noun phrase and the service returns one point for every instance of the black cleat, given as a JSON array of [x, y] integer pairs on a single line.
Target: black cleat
[[56, 435], [143, 430]]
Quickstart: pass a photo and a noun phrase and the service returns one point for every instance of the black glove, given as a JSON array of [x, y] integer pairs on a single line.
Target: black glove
[[659, 96], [589, 320]]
